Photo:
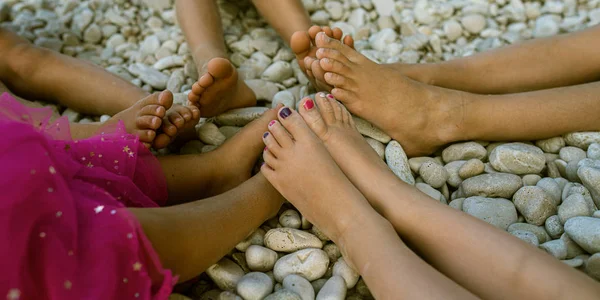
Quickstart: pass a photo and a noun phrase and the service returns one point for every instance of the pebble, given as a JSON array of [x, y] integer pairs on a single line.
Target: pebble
[[154, 78], [582, 139], [464, 151], [592, 266], [240, 116], [457, 203], [278, 71], [225, 274], [310, 263], [526, 236], [590, 177], [168, 62], [496, 211], [320, 283], [534, 204], [431, 192], [291, 219], [552, 189], [398, 162], [500, 185], [433, 174], [452, 168], [545, 26], [260, 258], [585, 231], [570, 153], [539, 231], [593, 151], [300, 286], [474, 23], [342, 269], [254, 286], [255, 238], [556, 248], [416, 162], [284, 97], [209, 134], [574, 206], [554, 227], [551, 145], [264, 90], [378, 146], [472, 167], [573, 249], [518, 158], [370, 130], [290, 240], [334, 289], [452, 30], [283, 294], [531, 179]]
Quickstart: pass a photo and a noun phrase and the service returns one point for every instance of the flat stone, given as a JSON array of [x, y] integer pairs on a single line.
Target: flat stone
[[526, 236], [240, 116], [539, 231], [464, 151], [151, 76], [590, 177], [310, 263], [290, 240], [225, 274], [370, 130], [551, 145], [582, 139], [518, 158], [585, 231], [497, 185], [496, 211], [398, 162]]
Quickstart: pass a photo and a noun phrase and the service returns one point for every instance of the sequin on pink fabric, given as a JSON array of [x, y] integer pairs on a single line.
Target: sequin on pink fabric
[[64, 232]]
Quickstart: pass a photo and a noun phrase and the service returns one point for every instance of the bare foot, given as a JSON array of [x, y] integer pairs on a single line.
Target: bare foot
[[303, 45], [144, 117], [298, 165], [420, 117], [220, 89], [180, 121]]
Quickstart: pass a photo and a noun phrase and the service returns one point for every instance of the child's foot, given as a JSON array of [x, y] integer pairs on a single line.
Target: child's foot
[[220, 89], [420, 117], [303, 45], [180, 121], [144, 117], [300, 168]]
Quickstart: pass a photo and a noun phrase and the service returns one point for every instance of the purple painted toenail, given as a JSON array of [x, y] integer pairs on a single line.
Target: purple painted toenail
[[330, 96], [285, 112], [265, 135]]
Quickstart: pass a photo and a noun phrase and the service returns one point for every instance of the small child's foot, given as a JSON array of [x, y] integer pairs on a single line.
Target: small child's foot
[[144, 117], [180, 121], [301, 169], [220, 89], [303, 45]]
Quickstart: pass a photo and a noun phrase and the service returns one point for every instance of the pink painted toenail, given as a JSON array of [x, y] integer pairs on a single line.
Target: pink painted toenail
[[330, 96], [309, 104], [265, 149], [272, 123]]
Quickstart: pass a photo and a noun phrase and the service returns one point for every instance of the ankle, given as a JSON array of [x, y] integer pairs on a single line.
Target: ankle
[[456, 116]]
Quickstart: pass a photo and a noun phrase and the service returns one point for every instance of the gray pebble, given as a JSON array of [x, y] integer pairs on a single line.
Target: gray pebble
[[433, 174], [464, 151], [556, 248], [472, 167], [518, 158], [539, 231], [573, 206], [585, 231], [569, 154], [498, 212], [551, 145], [526, 236], [531, 179], [499, 185], [534, 204]]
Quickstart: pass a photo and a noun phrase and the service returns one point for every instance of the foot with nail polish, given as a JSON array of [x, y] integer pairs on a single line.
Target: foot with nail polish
[[179, 122], [299, 166], [420, 117], [303, 45], [145, 117]]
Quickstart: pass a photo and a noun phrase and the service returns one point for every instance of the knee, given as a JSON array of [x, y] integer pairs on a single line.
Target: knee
[[21, 59]]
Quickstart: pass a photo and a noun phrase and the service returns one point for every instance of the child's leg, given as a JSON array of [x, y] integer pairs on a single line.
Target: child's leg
[[487, 261], [191, 237], [286, 17], [36, 73], [293, 157], [219, 87]]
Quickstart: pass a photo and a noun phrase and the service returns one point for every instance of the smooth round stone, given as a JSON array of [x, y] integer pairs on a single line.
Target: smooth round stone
[[531, 179], [464, 151], [378, 146], [229, 131], [552, 189], [290, 240], [585, 231], [592, 268], [573, 206], [582, 139], [260, 258], [573, 249], [474, 23], [539, 231], [593, 151], [472, 167], [556, 248], [319, 283], [256, 238], [254, 286], [596, 214], [554, 227], [571, 171], [534, 204], [398, 162], [452, 30], [370, 130], [431, 192], [290, 219], [570, 153], [284, 97], [452, 168], [334, 289], [342, 269], [574, 262], [496, 185], [551, 145], [300, 286], [310, 263], [225, 274], [283, 294], [518, 158], [457, 203], [240, 116], [264, 90], [433, 174], [415, 163], [576, 188], [496, 211], [332, 251], [278, 71], [590, 177], [209, 134], [526, 236]]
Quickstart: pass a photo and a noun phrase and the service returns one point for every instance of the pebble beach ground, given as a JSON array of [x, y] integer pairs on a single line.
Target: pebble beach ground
[[545, 192]]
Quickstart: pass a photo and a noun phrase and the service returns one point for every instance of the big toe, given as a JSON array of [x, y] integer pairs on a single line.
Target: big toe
[[300, 44], [313, 118], [293, 123], [165, 98], [220, 68]]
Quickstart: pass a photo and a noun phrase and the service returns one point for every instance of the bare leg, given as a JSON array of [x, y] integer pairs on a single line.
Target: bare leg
[[498, 266], [36, 73], [534, 65], [191, 237], [390, 268], [424, 117], [286, 17], [219, 87]]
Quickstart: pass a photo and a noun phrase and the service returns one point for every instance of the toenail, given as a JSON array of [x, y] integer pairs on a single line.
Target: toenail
[[265, 149], [272, 123], [285, 112], [330, 96], [309, 104], [322, 95], [265, 135]]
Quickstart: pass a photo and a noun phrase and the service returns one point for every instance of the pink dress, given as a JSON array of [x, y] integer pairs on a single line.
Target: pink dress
[[64, 229]]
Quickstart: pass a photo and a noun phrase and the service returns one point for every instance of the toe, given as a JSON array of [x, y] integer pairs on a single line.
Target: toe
[[195, 112], [313, 118], [333, 65], [328, 31], [279, 134], [220, 68], [323, 41], [169, 128], [342, 94], [300, 44], [349, 41], [270, 159], [332, 54], [161, 141], [165, 98], [337, 33], [337, 107], [148, 122], [338, 80], [152, 110], [325, 107], [294, 124], [176, 119], [346, 116], [146, 136], [317, 71], [313, 31], [308, 61]]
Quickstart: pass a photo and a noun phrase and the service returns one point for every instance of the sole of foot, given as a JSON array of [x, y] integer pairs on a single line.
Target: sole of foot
[[418, 116], [220, 89], [179, 122], [299, 166], [303, 45], [144, 117]]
